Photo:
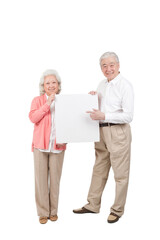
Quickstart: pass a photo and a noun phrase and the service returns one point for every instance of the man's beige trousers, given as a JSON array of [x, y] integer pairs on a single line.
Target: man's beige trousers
[[48, 169], [113, 150]]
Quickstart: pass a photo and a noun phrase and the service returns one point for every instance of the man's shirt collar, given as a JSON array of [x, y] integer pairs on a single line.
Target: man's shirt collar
[[115, 80]]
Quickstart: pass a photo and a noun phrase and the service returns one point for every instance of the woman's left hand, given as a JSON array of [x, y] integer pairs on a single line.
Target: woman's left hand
[[60, 145]]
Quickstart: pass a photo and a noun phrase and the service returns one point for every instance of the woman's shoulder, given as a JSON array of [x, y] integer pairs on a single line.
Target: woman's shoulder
[[39, 99]]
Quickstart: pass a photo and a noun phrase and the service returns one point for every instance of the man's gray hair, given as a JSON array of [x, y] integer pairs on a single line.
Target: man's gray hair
[[48, 73], [109, 54]]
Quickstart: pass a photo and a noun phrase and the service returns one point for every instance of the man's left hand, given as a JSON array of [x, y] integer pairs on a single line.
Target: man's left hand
[[96, 114]]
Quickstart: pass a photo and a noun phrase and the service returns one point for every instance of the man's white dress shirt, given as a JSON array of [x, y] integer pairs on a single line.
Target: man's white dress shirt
[[116, 99]]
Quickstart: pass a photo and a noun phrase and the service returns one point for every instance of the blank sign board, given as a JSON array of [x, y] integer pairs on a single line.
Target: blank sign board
[[72, 122]]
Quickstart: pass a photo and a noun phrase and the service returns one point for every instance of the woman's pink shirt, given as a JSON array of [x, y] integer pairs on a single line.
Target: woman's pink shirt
[[40, 115]]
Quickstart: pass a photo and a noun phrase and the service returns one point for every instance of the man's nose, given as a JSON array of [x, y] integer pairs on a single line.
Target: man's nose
[[108, 69]]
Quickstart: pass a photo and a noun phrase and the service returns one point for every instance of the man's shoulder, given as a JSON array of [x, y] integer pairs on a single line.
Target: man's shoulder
[[124, 85], [125, 82]]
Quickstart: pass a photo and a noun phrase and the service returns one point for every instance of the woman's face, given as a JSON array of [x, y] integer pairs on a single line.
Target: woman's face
[[51, 85]]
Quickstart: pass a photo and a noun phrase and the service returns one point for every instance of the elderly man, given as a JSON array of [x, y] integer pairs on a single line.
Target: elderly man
[[116, 112]]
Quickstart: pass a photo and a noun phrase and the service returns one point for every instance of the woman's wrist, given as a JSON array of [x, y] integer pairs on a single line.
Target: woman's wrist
[[49, 103]]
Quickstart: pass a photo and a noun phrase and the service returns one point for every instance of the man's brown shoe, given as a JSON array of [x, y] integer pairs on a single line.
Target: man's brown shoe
[[113, 218], [53, 218], [43, 220], [82, 210]]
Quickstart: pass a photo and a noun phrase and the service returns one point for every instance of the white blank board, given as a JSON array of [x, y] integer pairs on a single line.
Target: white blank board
[[72, 122]]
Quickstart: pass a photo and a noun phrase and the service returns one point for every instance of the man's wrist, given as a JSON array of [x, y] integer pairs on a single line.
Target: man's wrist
[[103, 116]]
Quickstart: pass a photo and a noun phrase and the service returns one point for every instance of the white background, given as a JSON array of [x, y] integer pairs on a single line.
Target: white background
[[70, 36]]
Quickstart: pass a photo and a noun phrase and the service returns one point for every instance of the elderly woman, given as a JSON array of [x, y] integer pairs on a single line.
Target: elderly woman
[[48, 156]]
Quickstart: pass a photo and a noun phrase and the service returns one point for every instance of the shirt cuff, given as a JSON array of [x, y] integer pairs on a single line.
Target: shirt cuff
[[107, 117]]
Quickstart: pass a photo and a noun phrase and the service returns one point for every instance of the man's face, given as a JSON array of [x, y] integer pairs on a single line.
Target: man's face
[[110, 68]]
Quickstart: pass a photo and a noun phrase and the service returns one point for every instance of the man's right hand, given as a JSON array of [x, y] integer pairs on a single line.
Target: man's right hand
[[92, 93]]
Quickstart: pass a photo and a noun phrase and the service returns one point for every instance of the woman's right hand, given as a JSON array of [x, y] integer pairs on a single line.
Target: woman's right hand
[[92, 92], [50, 99]]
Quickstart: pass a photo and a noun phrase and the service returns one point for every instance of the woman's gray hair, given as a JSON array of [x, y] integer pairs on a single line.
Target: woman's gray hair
[[109, 54], [48, 73]]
